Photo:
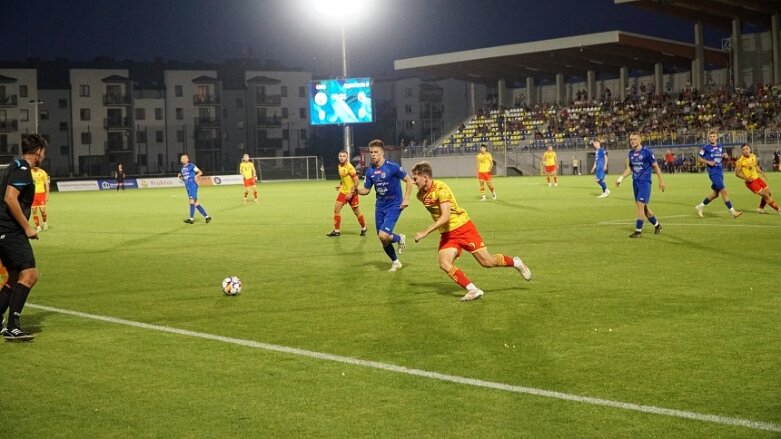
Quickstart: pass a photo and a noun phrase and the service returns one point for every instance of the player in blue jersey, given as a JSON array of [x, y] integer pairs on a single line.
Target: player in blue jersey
[[600, 167], [386, 177], [711, 155], [641, 163], [189, 175]]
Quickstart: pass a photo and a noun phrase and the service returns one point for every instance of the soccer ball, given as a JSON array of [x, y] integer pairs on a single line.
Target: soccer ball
[[231, 286]]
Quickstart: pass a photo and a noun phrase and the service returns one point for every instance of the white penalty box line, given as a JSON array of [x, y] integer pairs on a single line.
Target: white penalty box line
[[661, 411]]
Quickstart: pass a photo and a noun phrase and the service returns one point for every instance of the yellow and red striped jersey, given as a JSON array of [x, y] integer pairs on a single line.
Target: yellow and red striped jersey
[[346, 175], [432, 199]]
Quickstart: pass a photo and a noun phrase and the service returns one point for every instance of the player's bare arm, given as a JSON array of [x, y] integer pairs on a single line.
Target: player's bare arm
[[445, 209]]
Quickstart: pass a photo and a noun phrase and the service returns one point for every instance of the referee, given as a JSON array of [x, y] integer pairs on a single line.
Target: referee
[[16, 253]]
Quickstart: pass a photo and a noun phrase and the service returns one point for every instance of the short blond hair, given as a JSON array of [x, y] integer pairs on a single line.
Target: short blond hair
[[422, 168]]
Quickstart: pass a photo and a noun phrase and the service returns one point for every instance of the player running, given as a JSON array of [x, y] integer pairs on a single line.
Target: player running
[[386, 177], [747, 169], [458, 232], [348, 182]]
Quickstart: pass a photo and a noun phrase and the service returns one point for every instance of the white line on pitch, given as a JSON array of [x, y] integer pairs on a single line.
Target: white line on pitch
[[714, 419]]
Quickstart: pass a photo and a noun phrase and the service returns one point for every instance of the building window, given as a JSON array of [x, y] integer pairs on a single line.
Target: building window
[[284, 91], [84, 114], [44, 114], [63, 126], [408, 109], [84, 91], [159, 136], [22, 91], [64, 150], [179, 114], [408, 92], [158, 114], [180, 136], [24, 115], [178, 91], [301, 92], [284, 112], [62, 103], [239, 103], [303, 133], [140, 114], [86, 138], [302, 113]]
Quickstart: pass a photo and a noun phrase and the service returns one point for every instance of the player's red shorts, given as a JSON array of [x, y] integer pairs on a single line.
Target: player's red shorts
[[39, 199], [248, 182], [484, 176], [549, 169], [342, 198], [465, 237], [756, 185]]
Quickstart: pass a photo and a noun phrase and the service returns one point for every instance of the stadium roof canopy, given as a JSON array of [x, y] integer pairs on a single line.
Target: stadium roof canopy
[[603, 52], [718, 13]]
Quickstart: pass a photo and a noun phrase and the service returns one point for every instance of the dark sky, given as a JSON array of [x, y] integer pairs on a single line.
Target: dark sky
[[291, 32]]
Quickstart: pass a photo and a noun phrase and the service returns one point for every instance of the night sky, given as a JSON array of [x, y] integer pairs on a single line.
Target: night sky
[[291, 32]]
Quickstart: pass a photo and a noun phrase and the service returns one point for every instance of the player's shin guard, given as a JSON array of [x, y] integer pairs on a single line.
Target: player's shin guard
[[337, 222], [19, 295], [390, 251], [458, 277], [502, 260]]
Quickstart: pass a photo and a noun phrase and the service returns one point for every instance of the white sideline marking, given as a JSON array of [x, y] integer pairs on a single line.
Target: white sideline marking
[[714, 419]]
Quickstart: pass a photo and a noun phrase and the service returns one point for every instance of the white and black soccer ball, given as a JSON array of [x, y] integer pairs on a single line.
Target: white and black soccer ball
[[231, 286]]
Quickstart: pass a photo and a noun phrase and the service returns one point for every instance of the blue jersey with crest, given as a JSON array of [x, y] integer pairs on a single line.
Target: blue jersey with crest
[[189, 172], [387, 183], [642, 164], [713, 153]]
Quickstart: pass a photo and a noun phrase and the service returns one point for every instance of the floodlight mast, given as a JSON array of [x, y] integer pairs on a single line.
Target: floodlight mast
[[347, 129]]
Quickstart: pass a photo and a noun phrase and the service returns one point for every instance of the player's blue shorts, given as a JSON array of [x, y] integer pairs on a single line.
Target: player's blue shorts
[[192, 191], [386, 219], [599, 174], [642, 191], [717, 182]]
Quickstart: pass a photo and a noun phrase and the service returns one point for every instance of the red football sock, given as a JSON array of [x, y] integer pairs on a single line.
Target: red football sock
[[361, 221], [503, 261], [762, 203], [337, 221], [37, 221], [459, 277]]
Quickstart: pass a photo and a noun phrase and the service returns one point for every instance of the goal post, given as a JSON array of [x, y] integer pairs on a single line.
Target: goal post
[[308, 167]]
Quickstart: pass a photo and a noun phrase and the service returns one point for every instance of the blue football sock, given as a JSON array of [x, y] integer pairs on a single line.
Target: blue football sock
[[192, 210], [396, 238], [705, 201], [639, 225], [653, 221], [390, 251], [202, 210], [602, 185], [728, 204]]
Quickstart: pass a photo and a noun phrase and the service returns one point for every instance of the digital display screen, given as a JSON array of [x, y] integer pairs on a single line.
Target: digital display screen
[[340, 101]]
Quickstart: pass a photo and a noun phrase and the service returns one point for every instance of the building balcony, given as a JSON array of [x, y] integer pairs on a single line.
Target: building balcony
[[268, 100], [206, 122], [9, 125], [206, 99], [8, 101], [115, 123], [121, 100], [274, 122], [117, 146], [269, 143], [9, 148]]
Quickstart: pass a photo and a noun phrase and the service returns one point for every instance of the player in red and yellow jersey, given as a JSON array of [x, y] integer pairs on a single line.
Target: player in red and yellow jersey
[[348, 181], [41, 181], [549, 163], [457, 232], [247, 170], [747, 169], [485, 162]]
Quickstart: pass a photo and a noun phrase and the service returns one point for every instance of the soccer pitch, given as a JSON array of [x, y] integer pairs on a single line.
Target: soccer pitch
[[670, 335]]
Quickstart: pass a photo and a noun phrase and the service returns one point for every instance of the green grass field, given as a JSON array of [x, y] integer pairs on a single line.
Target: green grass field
[[685, 322]]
